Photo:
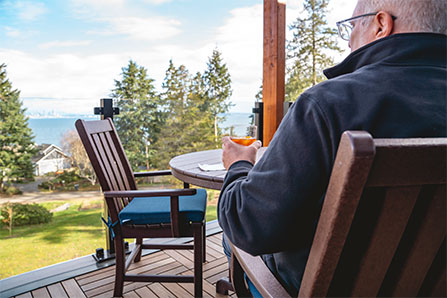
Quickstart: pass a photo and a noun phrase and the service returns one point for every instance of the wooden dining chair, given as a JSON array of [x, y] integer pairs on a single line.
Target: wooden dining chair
[[143, 213], [382, 227]]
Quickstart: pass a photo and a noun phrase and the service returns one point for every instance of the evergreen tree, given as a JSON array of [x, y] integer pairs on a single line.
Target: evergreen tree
[[140, 118], [174, 99], [204, 120], [16, 139], [258, 95], [188, 126], [312, 40], [218, 91]]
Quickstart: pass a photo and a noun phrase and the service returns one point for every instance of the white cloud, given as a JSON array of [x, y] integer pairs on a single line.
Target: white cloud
[[72, 83], [151, 28], [99, 4], [28, 10], [63, 77], [123, 19], [157, 1], [64, 44], [241, 41], [12, 32]]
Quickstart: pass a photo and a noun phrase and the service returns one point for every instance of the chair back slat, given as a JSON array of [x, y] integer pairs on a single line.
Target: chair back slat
[[121, 157], [422, 246], [381, 235], [104, 160], [435, 282], [118, 166], [388, 231], [108, 158], [112, 163]]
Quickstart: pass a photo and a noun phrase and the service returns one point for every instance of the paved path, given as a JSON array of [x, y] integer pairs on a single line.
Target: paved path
[[32, 186], [34, 197]]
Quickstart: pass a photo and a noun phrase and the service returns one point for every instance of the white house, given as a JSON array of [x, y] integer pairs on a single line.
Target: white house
[[50, 158]]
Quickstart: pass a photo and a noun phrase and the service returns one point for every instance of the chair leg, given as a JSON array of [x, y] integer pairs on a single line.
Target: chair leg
[[138, 256], [204, 242], [120, 264], [224, 285], [238, 278], [198, 256]]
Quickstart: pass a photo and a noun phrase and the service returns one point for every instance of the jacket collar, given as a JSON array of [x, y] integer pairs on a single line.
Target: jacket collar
[[404, 49]]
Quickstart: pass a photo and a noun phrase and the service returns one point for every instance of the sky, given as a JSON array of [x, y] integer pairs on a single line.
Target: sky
[[65, 55]]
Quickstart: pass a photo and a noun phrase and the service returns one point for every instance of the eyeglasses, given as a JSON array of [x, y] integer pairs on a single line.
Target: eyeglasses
[[345, 28]]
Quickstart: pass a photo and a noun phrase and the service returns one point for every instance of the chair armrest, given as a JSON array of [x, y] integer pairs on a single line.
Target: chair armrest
[[149, 193], [152, 173], [259, 274]]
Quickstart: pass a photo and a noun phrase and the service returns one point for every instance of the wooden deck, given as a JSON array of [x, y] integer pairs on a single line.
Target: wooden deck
[[100, 283]]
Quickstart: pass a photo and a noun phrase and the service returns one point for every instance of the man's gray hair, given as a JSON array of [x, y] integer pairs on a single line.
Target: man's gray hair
[[416, 15]]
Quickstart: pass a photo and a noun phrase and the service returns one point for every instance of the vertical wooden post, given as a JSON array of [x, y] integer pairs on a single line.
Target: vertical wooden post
[[274, 65]]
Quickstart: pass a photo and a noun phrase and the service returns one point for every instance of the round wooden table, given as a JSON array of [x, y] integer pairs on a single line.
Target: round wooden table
[[186, 168]]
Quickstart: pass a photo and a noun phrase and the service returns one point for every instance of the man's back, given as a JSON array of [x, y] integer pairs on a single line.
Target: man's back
[[394, 87]]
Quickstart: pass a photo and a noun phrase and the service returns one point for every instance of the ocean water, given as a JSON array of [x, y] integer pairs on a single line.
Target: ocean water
[[52, 130]]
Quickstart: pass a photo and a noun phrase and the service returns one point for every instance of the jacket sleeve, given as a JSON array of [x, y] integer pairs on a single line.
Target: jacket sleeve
[[274, 205]]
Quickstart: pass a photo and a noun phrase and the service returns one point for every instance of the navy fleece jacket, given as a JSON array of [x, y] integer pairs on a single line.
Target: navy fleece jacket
[[393, 88]]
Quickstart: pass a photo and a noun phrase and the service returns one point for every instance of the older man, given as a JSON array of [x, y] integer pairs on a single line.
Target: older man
[[393, 85]]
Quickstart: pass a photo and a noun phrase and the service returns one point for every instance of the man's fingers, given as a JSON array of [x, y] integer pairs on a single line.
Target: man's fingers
[[225, 141], [257, 144]]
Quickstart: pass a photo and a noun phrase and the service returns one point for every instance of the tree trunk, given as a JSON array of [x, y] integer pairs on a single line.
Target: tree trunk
[[10, 215], [92, 180], [215, 130], [314, 71], [146, 147]]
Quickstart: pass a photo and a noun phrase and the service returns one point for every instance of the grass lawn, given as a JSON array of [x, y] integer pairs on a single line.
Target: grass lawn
[[72, 233]]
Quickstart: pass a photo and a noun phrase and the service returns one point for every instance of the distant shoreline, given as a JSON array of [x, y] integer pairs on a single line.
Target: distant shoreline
[[50, 129]]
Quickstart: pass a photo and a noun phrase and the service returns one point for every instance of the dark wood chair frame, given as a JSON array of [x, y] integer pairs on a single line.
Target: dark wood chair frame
[[382, 228], [117, 181]]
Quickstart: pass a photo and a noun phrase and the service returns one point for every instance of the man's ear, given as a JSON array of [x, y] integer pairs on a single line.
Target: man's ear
[[384, 24]]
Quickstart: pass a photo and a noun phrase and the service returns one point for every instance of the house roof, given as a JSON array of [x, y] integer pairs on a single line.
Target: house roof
[[45, 150]]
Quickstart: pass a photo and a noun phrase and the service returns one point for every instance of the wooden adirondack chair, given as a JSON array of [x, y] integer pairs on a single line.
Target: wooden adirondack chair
[[382, 228], [143, 213]]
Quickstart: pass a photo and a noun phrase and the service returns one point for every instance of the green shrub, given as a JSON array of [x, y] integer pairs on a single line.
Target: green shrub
[[11, 190], [68, 177], [61, 181], [46, 185], [26, 214]]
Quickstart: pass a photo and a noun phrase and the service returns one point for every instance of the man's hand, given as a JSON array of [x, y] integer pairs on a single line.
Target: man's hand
[[233, 152]]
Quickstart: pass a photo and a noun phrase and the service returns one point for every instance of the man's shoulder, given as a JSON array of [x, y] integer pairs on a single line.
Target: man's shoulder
[[335, 90]]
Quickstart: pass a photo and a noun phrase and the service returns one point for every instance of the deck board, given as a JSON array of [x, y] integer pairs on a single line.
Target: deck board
[[132, 294], [146, 292], [25, 295], [100, 282], [57, 290], [41, 293], [72, 288]]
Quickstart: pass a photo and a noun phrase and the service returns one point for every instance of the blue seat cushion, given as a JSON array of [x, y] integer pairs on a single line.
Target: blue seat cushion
[[155, 210]]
